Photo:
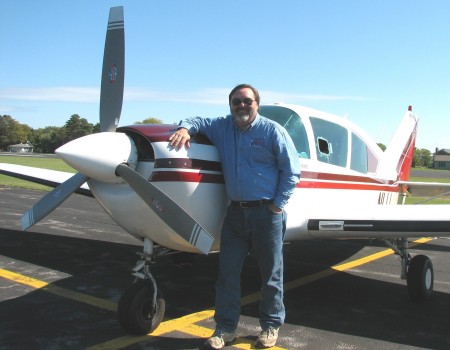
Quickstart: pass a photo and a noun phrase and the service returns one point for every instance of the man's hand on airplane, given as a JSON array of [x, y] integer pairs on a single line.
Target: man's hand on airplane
[[180, 138]]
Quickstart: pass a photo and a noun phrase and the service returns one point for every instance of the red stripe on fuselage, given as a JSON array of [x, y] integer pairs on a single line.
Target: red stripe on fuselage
[[180, 176], [344, 182], [308, 180]]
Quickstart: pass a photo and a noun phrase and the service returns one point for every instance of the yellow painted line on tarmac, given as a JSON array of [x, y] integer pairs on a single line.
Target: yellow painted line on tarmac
[[62, 292], [16, 277], [186, 324], [331, 271]]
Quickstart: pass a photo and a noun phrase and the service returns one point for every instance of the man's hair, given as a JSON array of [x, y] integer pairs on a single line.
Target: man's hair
[[244, 86]]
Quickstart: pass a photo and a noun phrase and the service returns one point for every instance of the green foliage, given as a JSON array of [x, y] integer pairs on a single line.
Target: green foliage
[[150, 121], [48, 139], [382, 146], [422, 158], [77, 127], [12, 132]]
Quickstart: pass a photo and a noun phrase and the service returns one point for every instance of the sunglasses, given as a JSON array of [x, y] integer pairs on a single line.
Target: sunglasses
[[237, 101]]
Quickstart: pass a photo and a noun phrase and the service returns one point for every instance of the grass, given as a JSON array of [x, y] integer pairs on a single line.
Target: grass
[[44, 163], [430, 179]]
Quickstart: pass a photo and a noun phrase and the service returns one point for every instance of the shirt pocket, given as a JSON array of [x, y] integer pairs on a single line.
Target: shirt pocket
[[260, 157]]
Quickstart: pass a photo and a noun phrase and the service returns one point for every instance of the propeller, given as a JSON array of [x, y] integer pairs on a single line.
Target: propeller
[[111, 97], [52, 200], [110, 156], [113, 71], [169, 211]]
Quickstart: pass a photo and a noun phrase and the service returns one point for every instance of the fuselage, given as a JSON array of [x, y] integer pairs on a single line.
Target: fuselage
[[338, 160]]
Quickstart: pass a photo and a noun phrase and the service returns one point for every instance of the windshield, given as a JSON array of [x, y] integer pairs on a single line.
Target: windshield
[[293, 124]]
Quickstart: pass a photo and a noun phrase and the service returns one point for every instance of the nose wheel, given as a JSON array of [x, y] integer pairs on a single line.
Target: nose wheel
[[141, 307], [138, 312]]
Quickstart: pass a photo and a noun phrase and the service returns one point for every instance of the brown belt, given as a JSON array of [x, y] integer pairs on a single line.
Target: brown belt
[[250, 204]]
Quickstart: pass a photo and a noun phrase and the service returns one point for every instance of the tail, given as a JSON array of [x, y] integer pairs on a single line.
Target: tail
[[398, 156]]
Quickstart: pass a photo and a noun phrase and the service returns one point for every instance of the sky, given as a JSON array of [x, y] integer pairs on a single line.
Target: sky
[[360, 59]]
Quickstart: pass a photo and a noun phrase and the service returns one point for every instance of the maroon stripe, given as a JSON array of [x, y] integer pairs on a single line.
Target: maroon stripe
[[186, 163], [180, 176]]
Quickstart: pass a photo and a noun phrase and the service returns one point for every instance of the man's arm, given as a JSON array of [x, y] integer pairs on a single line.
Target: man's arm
[[289, 170]]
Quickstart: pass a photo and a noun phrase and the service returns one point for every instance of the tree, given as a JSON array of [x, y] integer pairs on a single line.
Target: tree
[[12, 132], [422, 158], [48, 139], [150, 121], [96, 128], [382, 146], [77, 127]]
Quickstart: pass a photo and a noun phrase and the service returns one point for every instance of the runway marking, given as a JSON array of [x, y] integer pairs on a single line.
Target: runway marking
[[62, 292], [187, 324]]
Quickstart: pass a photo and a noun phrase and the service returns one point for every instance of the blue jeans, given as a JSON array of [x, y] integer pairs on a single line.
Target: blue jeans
[[260, 231]]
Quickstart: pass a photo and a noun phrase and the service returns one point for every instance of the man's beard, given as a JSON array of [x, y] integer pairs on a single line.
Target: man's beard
[[243, 116]]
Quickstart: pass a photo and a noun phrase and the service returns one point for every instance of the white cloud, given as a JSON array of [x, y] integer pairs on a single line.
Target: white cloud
[[55, 94], [216, 96]]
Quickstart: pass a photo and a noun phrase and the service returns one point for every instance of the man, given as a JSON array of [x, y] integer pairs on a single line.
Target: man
[[261, 169]]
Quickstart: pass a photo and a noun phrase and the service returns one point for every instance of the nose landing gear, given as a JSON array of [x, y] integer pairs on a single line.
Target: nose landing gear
[[141, 307]]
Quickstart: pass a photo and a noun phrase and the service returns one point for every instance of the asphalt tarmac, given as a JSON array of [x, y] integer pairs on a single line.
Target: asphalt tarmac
[[61, 280]]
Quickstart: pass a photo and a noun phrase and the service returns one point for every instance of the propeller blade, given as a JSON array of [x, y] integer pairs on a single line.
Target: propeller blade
[[52, 200], [113, 72], [169, 211]]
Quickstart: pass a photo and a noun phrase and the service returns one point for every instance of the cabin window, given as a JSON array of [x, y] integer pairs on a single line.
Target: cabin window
[[359, 155], [331, 141], [363, 159], [293, 124]]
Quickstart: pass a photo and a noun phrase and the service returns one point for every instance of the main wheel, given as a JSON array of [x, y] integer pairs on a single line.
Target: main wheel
[[135, 312], [420, 278]]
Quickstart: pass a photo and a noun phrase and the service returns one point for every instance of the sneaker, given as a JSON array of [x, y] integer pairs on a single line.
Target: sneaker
[[267, 338], [219, 339]]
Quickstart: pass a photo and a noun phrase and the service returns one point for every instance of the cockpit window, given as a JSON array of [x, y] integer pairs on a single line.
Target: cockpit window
[[363, 159], [293, 124], [336, 139], [359, 155]]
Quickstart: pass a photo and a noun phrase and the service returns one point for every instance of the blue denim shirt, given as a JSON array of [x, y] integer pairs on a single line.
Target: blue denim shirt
[[259, 162]]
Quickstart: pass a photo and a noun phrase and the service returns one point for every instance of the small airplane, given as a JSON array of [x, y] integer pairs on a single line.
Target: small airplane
[[349, 187]]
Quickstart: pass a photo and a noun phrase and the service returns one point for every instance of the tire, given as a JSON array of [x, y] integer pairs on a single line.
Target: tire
[[135, 312], [420, 278]]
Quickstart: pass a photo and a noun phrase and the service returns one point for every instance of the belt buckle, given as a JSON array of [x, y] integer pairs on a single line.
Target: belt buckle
[[243, 204]]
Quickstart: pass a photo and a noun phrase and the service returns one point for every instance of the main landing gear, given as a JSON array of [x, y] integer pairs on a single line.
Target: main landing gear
[[418, 271], [141, 307]]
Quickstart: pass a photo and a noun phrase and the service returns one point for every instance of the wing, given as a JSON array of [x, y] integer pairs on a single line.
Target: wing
[[380, 221], [46, 177]]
